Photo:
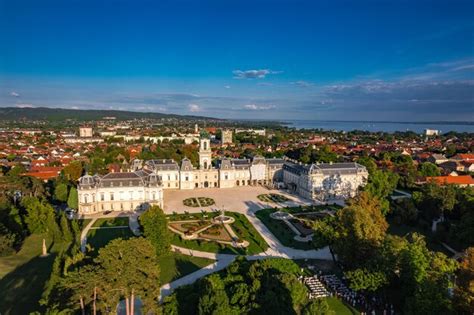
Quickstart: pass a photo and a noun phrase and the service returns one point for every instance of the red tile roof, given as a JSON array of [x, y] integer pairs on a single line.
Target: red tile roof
[[466, 156], [455, 180]]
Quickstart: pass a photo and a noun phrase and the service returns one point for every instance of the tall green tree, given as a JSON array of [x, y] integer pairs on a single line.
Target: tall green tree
[[65, 230], [425, 278], [40, 217], [123, 270], [360, 229], [61, 192], [155, 228], [72, 200], [381, 184], [131, 267]]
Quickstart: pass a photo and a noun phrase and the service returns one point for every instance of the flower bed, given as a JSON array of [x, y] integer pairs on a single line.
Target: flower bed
[[272, 198], [198, 202]]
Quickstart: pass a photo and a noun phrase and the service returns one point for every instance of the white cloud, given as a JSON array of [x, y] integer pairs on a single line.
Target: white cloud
[[227, 86], [303, 84], [258, 107], [194, 108], [14, 94], [465, 67], [253, 74]]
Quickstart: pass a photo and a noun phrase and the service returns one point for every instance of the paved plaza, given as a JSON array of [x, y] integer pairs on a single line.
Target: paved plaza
[[237, 199]]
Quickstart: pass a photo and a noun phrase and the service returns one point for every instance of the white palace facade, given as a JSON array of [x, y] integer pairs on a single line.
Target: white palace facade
[[127, 191]]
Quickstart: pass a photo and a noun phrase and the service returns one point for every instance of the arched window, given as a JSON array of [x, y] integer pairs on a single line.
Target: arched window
[[205, 164]]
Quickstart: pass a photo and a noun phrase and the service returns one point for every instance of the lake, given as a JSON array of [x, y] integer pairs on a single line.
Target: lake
[[379, 126]]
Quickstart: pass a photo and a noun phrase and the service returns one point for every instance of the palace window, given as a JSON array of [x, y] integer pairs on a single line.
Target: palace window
[[112, 196], [102, 197]]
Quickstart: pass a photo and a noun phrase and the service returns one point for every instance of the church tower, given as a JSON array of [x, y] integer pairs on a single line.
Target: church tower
[[205, 154]]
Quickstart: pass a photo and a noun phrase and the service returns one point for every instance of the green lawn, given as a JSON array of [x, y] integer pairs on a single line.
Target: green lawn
[[104, 222], [339, 307], [24, 274], [176, 265], [98, 238], [281, 231], [242, 227]]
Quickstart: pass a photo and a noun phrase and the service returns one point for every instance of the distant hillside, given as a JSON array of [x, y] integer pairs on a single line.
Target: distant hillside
[[59, 114]]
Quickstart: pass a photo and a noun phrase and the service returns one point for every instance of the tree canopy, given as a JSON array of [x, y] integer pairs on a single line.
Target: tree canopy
[[155, 228]]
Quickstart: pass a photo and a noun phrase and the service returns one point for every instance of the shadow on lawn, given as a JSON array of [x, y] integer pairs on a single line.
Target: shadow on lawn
[[22, 288], [184, 267]]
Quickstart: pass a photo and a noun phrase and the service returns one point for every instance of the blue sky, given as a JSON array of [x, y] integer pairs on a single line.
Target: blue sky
[[344, 60]]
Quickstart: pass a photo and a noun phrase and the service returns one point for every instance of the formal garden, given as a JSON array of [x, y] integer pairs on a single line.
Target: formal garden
[[276, 198], [197, 202], [292, 226], [172, 266], [216, 232]]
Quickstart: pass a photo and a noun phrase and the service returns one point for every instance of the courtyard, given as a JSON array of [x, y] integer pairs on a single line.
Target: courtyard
[[238, 199]]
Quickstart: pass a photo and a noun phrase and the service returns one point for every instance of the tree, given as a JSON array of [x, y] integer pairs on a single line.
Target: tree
[[318, 307], [60, 192], [65, 231], [297, 290], [7, 241], [366, 280], [381, 184], [40, 216], [73, 171], [72, 200], [79, 285], [369, 163], [130, 267], [464, 292], [406, 210], [360, 229], [123, 269], [435, 200], [425, 278], [429, 169], [155, 227], [214, 299]]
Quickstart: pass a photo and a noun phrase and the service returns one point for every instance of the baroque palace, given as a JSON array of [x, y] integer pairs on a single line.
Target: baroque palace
[[125, 191]]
